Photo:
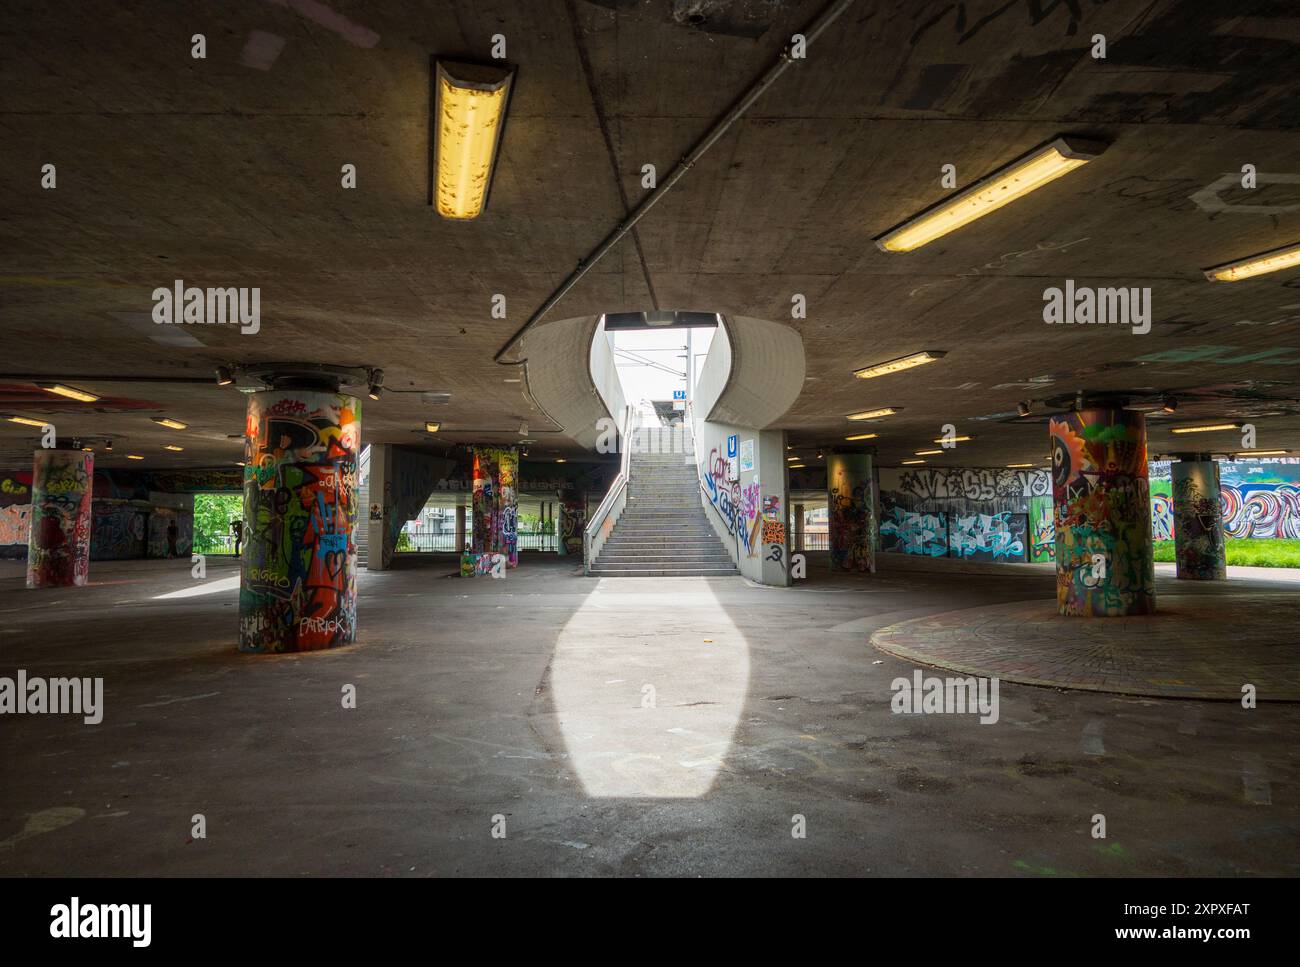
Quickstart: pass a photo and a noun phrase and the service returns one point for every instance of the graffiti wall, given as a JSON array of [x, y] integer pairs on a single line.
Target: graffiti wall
[[160, 521], [118, 530], [982, 514], [914, 532], [971, 490], [851, 509], [1258, 498], [495, 506], [1103, 524], [989, 537], [298, 568], [58, 548], [1042, 530]]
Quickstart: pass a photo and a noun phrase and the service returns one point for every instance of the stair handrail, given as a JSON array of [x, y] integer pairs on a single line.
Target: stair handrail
[[631, 421]]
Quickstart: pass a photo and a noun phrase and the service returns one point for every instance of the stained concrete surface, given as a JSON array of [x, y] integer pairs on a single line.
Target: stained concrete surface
[[523, 698]]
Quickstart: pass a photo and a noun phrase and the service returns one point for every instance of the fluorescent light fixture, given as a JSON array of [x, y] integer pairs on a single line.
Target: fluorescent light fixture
[[173, 447], [224, 376], [1029, 172], [792, 459], [798, 466], [1274, 261], [1262, 453], [87, 449], [71, 392], [873, 414], [900, 364], [912, 463], [925, 453], [561, 460], [169, 423], [953, 439], [470, 107], [26, 422], [1018, 466], [1204, 429], [432, 427], [134, 456], [862, 436]]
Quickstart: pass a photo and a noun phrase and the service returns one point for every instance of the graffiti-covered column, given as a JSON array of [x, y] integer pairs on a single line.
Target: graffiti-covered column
[[851, 501], [298, 589], [58, 544], [573, 522], [1102, 513], [1198, 519], [494, 509]]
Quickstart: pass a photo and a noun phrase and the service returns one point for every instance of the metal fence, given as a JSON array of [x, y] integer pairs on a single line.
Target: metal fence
[[811, 541], [426, 543]]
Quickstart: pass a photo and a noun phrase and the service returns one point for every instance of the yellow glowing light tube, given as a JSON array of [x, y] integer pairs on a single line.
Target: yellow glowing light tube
[[1028, 173], [1274, 261], [469, 107]]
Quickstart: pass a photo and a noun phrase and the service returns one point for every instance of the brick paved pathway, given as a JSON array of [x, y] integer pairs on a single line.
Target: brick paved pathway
[[1195, 646]]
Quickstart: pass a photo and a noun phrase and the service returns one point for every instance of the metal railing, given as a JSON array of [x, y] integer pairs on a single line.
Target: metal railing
[[603, 520], [437, 542], [810, 541]]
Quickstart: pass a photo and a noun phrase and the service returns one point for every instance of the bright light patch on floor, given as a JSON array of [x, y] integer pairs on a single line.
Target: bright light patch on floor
[[647, 707], [207, 587]]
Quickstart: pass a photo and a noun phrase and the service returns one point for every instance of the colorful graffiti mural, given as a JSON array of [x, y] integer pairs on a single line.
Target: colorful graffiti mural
[[914, 532], [1102, 521], [851, 511], [15, 524], [967, 484], [298, 568], [495, 503], [117, 530], [1261, 510], [1199, 552], [58, 548], [989, 537], [1042, 530], [1257, 499], [718, 491]]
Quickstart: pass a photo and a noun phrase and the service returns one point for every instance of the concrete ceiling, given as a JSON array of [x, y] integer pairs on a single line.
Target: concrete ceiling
[[226, 172]]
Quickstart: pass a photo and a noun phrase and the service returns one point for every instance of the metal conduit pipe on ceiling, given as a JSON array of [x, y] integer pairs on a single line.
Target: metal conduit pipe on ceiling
[[755, 91]]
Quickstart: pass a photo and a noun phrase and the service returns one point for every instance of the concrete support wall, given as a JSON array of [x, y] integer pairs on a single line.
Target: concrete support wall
[[1104, 564], [58, 547], [1199, 550], [851, 504], [749, 513], [298, 587]]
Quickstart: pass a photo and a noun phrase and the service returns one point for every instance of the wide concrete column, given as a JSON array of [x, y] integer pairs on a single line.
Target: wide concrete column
[[460, 528], [496, 503], [58, 544], [1102, 512], [1198, 519], [298, 571], [851, 501]]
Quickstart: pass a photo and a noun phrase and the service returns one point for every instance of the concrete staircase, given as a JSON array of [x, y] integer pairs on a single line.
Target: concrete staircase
[[361, 530], [663, 531]]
